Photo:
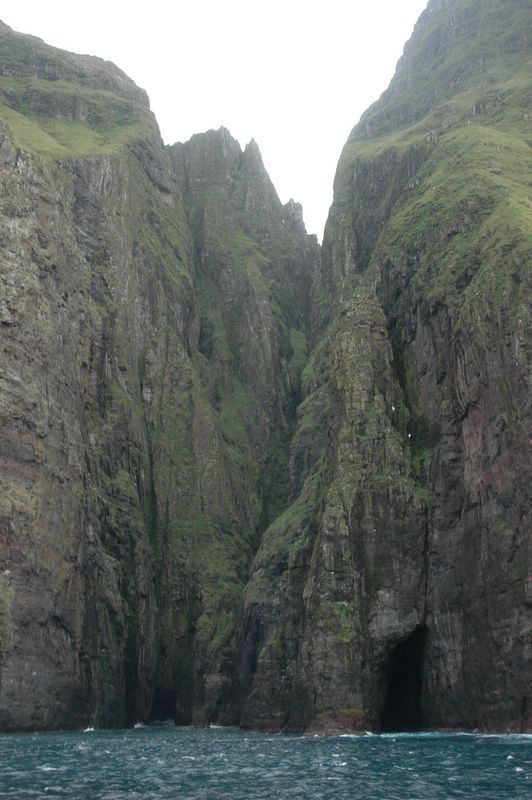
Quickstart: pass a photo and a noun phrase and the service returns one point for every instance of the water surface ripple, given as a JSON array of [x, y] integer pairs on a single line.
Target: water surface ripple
[[194, 764]]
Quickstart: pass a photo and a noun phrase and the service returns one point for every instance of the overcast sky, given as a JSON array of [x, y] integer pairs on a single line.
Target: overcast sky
[[294, 75]]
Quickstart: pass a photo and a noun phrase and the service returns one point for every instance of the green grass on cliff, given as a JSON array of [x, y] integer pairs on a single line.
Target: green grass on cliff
[[6, 625], [471, 195], [468, 45], [471, 209], [433, 189], [283, 540], [53, 138], [57, 119]]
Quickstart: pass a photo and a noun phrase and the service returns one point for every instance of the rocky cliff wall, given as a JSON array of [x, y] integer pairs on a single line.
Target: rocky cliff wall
[[152, 345], [242, 486], [395, 592]]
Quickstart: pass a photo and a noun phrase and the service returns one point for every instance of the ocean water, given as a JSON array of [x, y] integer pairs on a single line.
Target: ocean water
[[189, 764]]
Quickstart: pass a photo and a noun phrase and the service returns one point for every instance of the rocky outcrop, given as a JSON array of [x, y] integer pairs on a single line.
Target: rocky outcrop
[[394, 593]]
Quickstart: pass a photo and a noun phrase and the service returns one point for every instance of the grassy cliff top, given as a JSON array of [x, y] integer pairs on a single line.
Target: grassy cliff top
[[58, 104], [462, 93], [465, 49]]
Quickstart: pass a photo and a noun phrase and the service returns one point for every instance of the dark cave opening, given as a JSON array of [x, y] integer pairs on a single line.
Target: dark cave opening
[[402, 706], [164, 705]]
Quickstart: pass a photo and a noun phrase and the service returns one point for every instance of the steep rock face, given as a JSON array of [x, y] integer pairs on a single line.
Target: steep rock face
[[248, 253], [75, 475], [137, 336], [86, 313], [395, 592]]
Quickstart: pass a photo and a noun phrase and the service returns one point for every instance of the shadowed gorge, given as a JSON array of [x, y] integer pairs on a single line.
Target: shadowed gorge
[[245, 479]]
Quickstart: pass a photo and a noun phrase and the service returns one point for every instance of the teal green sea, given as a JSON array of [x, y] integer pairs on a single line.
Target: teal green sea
[[188, 764]]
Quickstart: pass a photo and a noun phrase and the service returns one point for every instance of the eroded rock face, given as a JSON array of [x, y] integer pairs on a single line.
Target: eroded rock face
[[74, 469], [393, 594]]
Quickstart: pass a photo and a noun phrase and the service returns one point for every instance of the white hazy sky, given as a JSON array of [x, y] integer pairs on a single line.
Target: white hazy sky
[[295, 75]]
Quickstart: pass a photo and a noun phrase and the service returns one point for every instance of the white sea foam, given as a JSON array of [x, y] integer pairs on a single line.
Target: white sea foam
[[179, 763], [139, 725], [88, 730]]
